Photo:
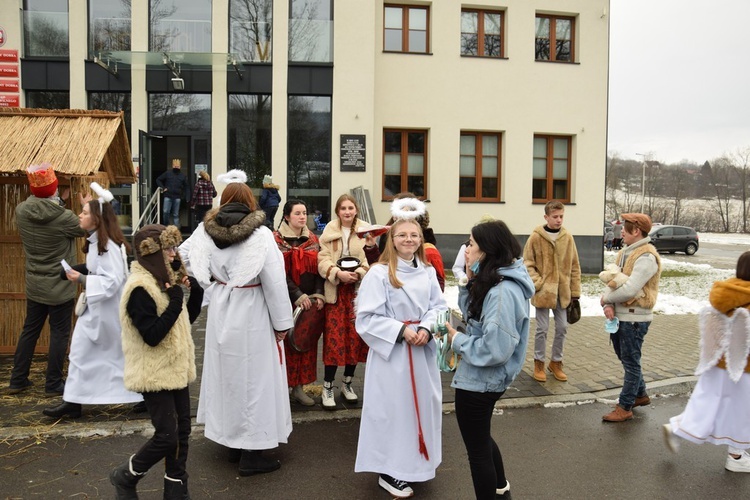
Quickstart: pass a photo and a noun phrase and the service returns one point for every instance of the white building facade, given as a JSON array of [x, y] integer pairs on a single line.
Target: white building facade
[[481, 107]]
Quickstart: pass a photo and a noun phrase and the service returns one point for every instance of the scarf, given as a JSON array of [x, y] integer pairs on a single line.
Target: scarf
[[298, 259], [726, 296]]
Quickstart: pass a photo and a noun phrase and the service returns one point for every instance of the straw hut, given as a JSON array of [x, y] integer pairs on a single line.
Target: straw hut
[[83, 146]]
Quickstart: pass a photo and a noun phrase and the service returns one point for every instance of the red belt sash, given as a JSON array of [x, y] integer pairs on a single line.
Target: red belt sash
[[422, 444]]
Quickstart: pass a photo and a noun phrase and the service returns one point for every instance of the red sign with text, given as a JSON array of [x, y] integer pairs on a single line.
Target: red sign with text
[[9, 101], [7, 70], [8, 55], [9, 85]]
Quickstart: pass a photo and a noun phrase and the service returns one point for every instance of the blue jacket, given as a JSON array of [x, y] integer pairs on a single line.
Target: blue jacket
[[493, 349], [176, 185], [269, 198]]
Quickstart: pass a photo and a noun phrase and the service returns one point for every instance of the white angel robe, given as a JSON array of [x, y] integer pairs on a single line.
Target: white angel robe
[[95, 371], [244, 400], [388, 433]]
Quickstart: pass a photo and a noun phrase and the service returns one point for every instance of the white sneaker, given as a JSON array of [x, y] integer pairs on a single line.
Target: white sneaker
[[741, 464], [672, 441], [347, 392], [300, 396], [328, 402]]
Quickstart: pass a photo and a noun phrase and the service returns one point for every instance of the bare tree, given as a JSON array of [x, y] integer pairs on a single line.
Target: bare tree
[[722, 177], [678, 185], [251, 26], [740, 161]]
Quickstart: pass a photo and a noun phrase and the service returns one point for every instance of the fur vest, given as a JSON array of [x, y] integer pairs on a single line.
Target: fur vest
[[553, 267], [171, 364], [331, 248], [651, 288]]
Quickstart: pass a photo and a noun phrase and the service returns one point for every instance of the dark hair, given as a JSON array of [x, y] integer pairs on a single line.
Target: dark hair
[[501, 249], [107, 227], [743, 266], [289, 205]]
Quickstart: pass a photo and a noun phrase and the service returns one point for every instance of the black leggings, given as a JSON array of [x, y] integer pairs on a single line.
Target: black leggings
[[474, 415], [330, 372]]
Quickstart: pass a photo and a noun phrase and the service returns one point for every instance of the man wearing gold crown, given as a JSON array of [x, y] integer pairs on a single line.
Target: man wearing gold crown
[[174, 185], [48, 231]]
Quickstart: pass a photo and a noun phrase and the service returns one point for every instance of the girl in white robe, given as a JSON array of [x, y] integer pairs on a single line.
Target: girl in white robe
[[244, 401], [397, 306], [96, 361]]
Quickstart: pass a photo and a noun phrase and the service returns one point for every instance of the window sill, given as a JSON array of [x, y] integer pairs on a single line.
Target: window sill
[[497, 202], [575, 63], [409, 53], [495, 58], [544, 202]]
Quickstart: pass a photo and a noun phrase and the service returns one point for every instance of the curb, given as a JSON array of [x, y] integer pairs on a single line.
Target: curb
[[661, 388]]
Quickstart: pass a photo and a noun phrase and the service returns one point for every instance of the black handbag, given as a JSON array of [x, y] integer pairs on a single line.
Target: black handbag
[[574, 311]]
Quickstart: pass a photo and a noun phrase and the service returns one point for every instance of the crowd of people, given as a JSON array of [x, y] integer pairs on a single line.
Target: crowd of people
[[270, 295]]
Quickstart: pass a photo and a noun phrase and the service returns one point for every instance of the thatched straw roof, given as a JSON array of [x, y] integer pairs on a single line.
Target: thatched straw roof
[[76, 142]]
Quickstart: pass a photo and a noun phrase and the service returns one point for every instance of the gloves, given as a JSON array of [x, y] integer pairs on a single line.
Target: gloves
[[175, 293]]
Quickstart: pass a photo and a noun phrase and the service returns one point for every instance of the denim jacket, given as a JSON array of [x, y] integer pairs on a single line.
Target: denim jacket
[[493, 349]]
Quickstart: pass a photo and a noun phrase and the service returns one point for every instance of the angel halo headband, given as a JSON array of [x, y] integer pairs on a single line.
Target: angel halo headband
[[234, 175], [407, 209], [105, 195]]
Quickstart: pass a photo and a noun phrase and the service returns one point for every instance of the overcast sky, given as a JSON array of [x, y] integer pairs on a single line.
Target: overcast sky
[[679, 78]]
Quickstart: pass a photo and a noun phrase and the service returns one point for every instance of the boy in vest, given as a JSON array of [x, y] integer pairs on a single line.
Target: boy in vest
[[640, 261]]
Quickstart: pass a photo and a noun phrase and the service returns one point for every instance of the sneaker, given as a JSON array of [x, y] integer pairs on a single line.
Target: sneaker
[[642, 401], [741, 464], [299, 395], [504, 492], [619, 414], [346, 390], [396, 487], [328, 402], [19, 389], [56, 391], [672, 441]]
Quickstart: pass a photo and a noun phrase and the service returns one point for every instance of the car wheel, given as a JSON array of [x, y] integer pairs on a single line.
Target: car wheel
[[671, 252], [691, 248]]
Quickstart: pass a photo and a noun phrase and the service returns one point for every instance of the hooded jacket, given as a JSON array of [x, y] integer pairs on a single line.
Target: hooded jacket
[[553, 267], [493, 349], [48, 233]]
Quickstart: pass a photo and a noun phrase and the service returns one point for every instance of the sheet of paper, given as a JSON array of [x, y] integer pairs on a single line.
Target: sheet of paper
[[65, 265]]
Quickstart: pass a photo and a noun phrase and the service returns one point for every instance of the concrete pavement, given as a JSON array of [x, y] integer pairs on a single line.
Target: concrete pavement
[[670, 354]]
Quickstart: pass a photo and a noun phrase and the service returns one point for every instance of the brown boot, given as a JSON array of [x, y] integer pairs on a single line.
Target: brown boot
[[539, 375], [642, 401], [619, 414], [556, 368]]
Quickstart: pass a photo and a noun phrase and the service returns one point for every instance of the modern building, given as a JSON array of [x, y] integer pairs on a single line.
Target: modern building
[[480, 107]]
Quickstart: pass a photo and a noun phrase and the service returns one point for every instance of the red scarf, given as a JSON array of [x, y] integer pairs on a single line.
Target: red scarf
[[300, 259]]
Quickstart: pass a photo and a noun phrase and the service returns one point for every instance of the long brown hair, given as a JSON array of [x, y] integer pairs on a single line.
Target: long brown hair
[[389, 257], [239, 192], [347, 197], [107, 227]]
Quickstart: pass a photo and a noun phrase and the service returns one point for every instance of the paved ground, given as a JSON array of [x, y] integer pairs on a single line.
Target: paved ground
[[669, 358]]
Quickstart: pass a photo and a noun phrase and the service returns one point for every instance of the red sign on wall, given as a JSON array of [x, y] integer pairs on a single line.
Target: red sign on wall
[[9, 101], [9, 85], [8, 55], [7, 70]]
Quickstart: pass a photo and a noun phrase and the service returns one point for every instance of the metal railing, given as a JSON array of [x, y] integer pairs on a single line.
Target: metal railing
[[151, 213]]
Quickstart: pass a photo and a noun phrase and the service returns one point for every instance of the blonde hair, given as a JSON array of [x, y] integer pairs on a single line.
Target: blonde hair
[[389, 257], [347, 197], [204, 175]]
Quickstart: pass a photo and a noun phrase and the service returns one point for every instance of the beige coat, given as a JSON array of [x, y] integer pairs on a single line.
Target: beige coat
[[330, 252], [553, 267]]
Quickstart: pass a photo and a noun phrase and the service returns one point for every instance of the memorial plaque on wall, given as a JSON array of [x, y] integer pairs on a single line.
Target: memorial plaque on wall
[[352, 153]]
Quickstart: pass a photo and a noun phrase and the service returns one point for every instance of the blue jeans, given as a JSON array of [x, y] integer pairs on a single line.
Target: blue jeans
[[172, 207], [627, 343]]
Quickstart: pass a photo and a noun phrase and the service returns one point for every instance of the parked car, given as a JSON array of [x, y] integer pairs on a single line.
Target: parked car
[[674, 239]]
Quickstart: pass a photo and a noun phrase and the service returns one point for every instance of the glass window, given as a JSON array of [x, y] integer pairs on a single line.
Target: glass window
[[404, 162], [554, 38], [481, 33], [47, 100], [310, 31], [309, 152], [406, 29], [45, 28], [112, 101], [249, 135], [178, 26], [109, 26], [479, 168], [250, 29], [169, 112], [551, 168]]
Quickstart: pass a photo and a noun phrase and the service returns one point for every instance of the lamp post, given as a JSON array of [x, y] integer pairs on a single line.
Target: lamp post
[[643, 179]]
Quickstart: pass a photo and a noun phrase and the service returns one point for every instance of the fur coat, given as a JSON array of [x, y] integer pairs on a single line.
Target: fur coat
[[553, 267]]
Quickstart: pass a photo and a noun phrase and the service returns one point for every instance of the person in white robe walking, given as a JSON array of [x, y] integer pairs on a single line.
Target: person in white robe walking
[[244, 402], [96, 361], [397, 305]]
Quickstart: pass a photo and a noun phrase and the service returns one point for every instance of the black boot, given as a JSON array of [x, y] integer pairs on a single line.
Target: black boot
[[234, 455], [175, 489], [253, 462], [73, 410], [140, 407], [124, 481]]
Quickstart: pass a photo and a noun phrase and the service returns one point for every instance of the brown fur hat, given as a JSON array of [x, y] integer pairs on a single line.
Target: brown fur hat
[[149, 244]]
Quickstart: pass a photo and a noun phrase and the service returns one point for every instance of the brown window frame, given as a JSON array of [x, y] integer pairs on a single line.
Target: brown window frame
[[478, 167], [480, 33], [549, 170], [405, 28], [553, 37], [404, 167]]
